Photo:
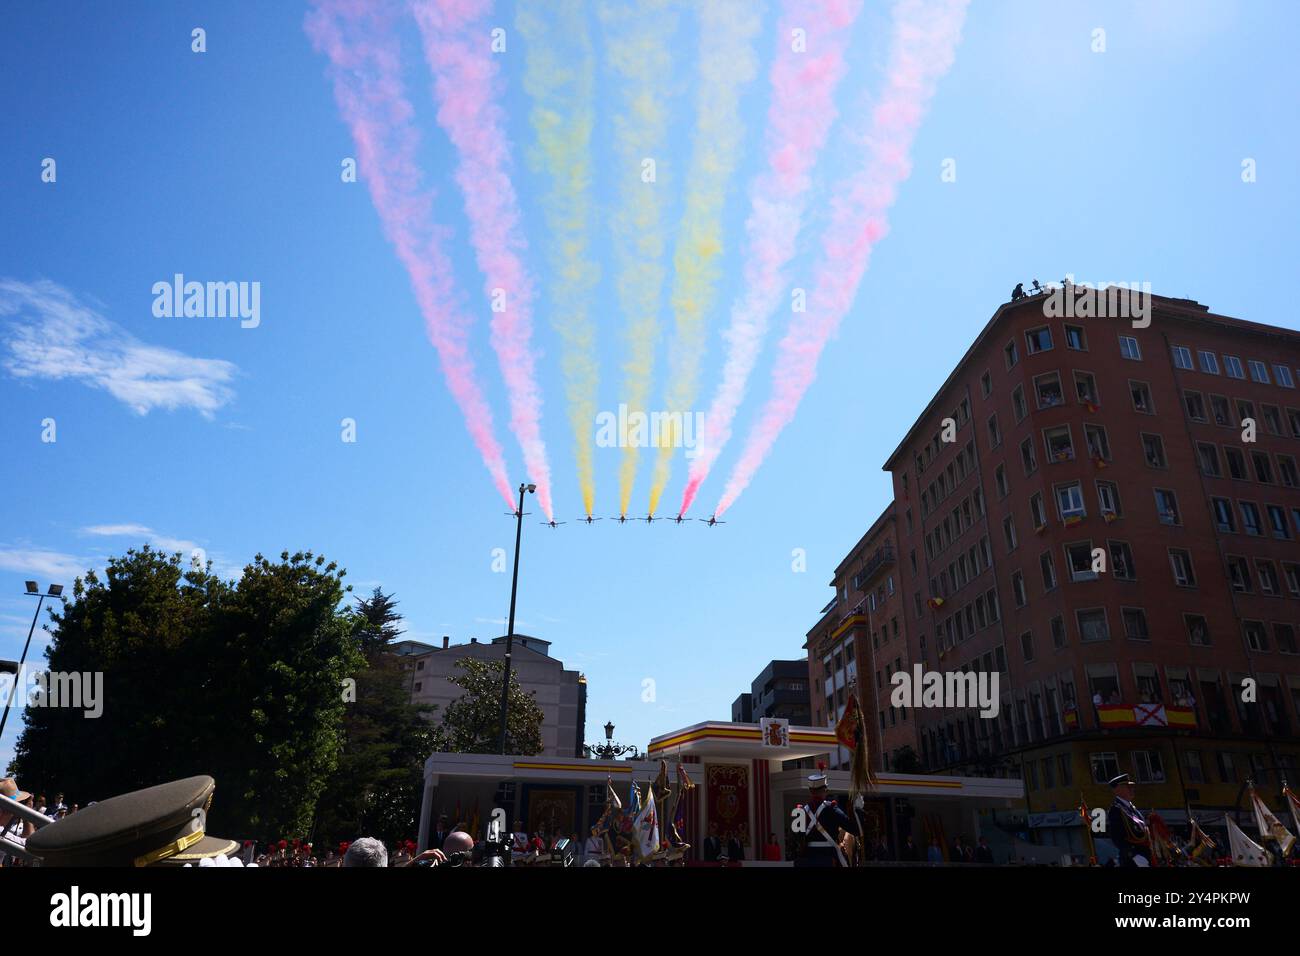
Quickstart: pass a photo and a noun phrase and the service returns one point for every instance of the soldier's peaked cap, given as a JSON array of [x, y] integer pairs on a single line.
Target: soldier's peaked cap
[[1120, 780], [816, 780], [156, 826]]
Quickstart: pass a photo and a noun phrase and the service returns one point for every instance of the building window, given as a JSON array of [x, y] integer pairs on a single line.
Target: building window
[[1250, 519], [1272, 419], [1018, 589], [1011, 354], [1108, 498], [1236, 463], [1027, 458], [1105, 767], [1192, 762], [1153, 448], [1268, 580], [986, 384], [1079, 560], [1060, 447], [1047, 390], [1148, 767], [1128, 348], [1182, 357], [1085, 388], [1018, 404], [1000, 479], [1195, 405], [1284, 635], [1038, 340], [1121, 561], [1283, 375], [418, 686], [1167, 506], [1064, 770], [1058, 632], [995, 436], [1208, 454], [1209, 361], [1198, 630], [1239, 574], [1140, 392], [1048, 568], [1232, 365], [1092, 624], [1227, 768], [1256, 637], [1027, 646], [1277, 521], [1036, 512], [1069, 501], [1135, 624], [1223, 518], [1098, 444], [1221, 411], [1263, 467], [1259, 372], [1180, 562], [1009, 532]]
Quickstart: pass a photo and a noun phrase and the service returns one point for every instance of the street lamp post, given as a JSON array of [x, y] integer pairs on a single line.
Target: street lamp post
[[510, 629], [610, 750], [32, 589]]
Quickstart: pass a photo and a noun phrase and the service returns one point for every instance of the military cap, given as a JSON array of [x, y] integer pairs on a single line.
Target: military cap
[[816, 780], [156, 826], [1120, 781]]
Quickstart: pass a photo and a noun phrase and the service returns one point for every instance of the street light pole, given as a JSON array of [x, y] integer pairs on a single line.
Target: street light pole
[[54, 591], [510, 629]]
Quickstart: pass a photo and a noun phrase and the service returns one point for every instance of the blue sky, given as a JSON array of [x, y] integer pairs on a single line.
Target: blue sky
[[1122, 165]]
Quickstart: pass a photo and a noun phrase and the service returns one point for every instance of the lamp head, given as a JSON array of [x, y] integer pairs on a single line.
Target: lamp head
[[531, 489], [32, 588], [55, 590]]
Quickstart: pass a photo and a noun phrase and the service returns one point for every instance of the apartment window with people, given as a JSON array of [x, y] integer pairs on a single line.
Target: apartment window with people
[[1221, 411], [1180, 561], [1121, 561]]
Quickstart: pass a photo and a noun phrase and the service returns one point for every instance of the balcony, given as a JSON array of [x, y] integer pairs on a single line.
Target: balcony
[[881, 559]]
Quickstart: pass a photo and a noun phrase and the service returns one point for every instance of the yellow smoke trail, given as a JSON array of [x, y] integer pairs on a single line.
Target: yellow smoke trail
[[637, 48], [559, 77], [727, 64]]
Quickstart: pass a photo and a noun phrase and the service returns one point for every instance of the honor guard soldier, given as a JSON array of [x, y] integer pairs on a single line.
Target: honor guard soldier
[[1126, 826], [823, 822], [157, 826]]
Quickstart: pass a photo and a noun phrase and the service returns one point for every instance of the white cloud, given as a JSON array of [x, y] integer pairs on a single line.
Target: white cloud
[[54, 336], [160, 541], [44, 565]]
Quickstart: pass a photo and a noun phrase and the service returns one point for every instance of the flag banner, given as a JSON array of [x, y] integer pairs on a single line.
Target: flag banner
[[727, 797], [1245, 851], [1293, 802], [1269, 825], [646, 825]]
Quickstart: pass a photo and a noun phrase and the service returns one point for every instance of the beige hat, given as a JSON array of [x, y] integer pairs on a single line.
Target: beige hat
[[9, 788]]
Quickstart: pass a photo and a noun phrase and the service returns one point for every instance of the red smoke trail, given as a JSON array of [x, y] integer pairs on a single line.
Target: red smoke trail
[[925, 36], [365, 66], [457, 46], [799, 117]]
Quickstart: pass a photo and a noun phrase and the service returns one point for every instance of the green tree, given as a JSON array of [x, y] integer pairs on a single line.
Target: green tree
[[472, 722], [377, 787], [240, 680]]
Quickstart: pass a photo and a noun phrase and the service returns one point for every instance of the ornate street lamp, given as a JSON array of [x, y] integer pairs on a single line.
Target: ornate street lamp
[[610, 750]]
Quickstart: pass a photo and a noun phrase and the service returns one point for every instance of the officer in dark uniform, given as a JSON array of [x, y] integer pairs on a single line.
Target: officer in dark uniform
[[164, 825], [823, 822], [1126, 826]]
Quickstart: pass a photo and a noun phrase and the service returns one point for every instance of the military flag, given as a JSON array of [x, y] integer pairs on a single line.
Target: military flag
[[1245, 851], [1201, 848], [1269, 825], [851, 732], [645, 827]]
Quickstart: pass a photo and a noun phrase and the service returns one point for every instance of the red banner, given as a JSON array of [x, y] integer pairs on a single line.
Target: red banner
[[728, 801]]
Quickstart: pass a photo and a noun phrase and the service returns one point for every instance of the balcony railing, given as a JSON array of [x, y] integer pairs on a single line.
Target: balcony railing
[[882, 558]]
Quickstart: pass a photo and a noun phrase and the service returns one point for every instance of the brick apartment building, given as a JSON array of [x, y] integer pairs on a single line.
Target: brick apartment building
[[865, 621], [1070, 435]]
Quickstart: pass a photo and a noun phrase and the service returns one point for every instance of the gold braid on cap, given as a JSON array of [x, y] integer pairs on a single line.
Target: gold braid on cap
[[171, 849]]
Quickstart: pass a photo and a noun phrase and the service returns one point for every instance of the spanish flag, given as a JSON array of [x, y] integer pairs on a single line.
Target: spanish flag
[[935, 603], [851, 732]]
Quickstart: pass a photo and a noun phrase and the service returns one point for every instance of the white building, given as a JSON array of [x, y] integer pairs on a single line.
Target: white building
[[560, 693]]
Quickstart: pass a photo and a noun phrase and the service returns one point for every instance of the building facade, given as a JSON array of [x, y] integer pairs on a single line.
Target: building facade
[[863, 634], [1106, 514], [561, 693], [1100, 507]]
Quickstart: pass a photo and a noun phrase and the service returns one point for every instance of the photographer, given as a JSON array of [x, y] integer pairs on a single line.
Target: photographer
[[457, 850]]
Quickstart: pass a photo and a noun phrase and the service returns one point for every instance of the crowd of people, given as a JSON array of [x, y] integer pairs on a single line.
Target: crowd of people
[[14, 830]]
